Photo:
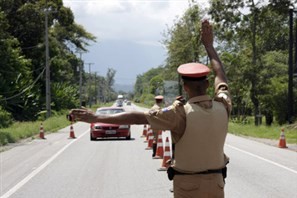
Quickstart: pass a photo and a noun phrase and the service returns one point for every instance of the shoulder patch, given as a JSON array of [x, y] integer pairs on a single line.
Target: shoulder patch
[[153, 112], [223, 95], [166, 109]]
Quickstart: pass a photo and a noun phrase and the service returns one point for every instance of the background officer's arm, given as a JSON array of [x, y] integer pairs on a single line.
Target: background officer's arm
[[207, 40]]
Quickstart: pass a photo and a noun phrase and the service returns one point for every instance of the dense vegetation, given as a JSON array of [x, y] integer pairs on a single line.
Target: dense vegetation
[[253, 42], [22, 65]]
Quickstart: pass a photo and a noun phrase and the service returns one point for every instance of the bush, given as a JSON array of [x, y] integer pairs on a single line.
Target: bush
[[5, 118], [64, 96], [147, 99], [5, 138]]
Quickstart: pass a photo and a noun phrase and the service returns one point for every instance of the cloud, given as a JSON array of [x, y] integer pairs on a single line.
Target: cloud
[[129, 33], [117, 19]]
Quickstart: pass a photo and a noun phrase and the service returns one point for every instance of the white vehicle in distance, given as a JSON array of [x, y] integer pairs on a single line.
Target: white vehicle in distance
[[119, 101]]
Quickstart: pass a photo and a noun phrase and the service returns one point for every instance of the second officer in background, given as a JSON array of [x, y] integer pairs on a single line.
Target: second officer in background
[[157, 106]]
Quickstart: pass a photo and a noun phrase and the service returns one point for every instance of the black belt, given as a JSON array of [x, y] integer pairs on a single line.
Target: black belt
[[202, 172], [171, 172]]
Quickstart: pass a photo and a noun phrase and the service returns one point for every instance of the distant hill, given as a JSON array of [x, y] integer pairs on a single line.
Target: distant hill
[[124, 88]]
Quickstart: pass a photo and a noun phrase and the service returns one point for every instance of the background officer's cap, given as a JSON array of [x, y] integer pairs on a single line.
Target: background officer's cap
[[193, 70], [159, 97]]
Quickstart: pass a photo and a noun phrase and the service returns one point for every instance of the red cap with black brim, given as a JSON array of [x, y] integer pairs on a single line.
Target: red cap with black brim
[[193, 70], [159, 97]]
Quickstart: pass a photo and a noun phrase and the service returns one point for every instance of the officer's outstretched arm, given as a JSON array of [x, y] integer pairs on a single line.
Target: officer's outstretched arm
[[207, 40], [86, 115]]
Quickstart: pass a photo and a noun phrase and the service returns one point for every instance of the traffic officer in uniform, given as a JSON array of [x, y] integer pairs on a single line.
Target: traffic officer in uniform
[[198, 128], [156, 107]]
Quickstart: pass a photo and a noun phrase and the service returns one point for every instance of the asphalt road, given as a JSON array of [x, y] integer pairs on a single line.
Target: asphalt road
[[60, 167]]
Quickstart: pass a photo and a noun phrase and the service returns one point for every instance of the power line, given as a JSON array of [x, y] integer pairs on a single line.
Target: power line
[[26, 89], [13, 72]]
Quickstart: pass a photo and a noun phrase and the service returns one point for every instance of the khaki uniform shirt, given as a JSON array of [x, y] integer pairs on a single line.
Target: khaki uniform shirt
[[156, 107], [175, 117]]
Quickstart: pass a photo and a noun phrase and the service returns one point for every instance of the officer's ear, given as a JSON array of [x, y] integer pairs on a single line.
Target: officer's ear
[[185, 86]]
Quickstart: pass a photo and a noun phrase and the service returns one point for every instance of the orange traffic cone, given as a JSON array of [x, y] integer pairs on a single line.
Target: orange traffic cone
[[149, 130], [41, 132], [150, 140], [160, 150], [144, 132], [282, 140], [71, 135], [166, 156]]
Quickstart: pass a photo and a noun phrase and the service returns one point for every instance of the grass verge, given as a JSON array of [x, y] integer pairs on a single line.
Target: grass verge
[[23, 130], [268, 132]]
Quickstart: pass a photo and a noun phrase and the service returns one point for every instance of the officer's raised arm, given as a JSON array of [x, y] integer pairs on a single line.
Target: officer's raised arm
[[217, 66]]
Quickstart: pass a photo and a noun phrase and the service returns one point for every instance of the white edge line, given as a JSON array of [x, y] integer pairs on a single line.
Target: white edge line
[[39, 169], [261, 158]]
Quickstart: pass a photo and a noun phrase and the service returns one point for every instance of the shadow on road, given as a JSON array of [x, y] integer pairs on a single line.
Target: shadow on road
[[113, 139]]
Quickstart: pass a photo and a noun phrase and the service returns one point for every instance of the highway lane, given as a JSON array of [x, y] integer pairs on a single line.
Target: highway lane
[[62, 167], [260, 171], [106, 168]]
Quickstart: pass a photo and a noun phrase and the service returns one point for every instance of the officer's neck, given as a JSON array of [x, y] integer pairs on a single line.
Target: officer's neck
[[193, 94]]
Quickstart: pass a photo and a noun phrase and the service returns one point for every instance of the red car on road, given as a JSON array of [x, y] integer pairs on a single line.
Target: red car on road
[[105, 130]]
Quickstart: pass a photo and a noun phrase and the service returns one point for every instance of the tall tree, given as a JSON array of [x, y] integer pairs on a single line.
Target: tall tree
[[249, 25], [16, 83], [148, 83], [109, 79], [182, 40], [25, 26]]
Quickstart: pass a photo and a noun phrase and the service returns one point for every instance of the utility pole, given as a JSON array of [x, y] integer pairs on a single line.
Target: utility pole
[[290, 70], [90, 83], [95, 87], [47, 66], [80, 75]]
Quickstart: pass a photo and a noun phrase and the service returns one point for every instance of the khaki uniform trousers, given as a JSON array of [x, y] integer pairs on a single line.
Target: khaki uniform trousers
[[198, 185]]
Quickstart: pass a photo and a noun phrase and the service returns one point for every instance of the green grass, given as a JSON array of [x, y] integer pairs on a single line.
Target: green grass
[[268, 132], [23, 130]]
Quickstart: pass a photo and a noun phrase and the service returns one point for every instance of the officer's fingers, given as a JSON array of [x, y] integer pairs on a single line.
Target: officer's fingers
[[86, 109], [204, 21], [206, 29]]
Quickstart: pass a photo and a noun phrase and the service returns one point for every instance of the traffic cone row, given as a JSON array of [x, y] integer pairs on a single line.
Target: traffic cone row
[[150, 136], [149, 130], [161, 153], [282, 140], [166, 156], [71, 134], [144, 132], [41, 131]]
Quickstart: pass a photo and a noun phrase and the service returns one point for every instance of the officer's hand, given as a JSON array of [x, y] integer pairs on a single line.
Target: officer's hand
[[83, 114], [206, 34], [181, 99]]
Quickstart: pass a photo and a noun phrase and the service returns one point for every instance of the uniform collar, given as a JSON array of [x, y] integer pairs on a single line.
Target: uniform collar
[[199, 99]]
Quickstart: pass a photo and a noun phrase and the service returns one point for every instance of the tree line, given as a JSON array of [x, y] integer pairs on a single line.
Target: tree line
[[22, 60], [253, 41]]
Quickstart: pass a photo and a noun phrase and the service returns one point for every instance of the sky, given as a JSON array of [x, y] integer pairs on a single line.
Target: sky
[[129, 34]]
